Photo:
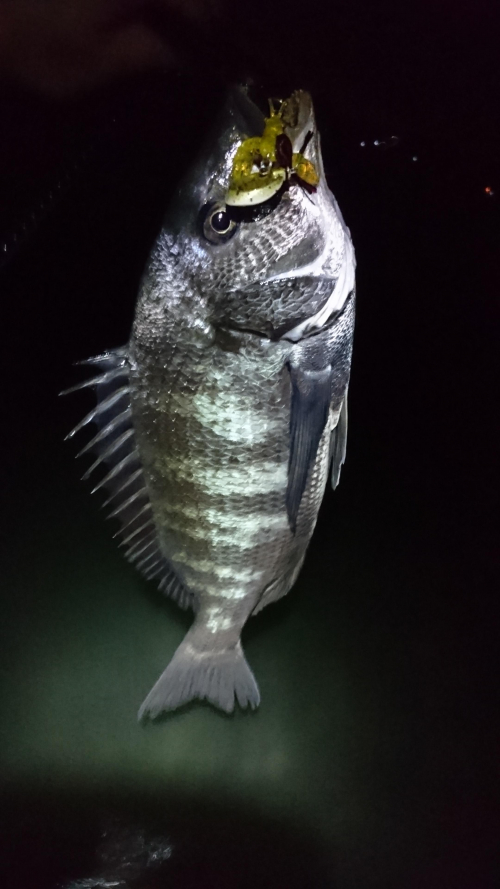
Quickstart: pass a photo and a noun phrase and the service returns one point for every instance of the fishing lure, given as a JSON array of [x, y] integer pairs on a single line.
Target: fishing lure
[[265, 164]]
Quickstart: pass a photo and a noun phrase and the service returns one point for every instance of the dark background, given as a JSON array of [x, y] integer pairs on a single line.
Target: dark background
[[401, 584]]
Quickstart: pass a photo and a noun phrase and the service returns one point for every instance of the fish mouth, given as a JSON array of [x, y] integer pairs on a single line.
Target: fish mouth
[[250, 119], [267, 165], [304, 121], [247, 114]]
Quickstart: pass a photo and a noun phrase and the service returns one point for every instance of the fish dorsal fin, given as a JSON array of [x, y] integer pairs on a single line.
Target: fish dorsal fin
[[115, 450]]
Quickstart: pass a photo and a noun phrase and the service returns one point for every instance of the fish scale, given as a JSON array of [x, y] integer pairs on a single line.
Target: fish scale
[[214, 467], [219, 422]]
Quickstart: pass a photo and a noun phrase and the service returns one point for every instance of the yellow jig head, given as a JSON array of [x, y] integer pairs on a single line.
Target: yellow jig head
[[264, 164], [256, 176]]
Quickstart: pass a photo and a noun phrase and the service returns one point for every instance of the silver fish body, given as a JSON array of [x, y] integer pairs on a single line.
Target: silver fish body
[[231, 407]]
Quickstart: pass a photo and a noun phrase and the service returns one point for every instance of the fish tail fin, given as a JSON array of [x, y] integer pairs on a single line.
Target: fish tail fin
[[219, 677]]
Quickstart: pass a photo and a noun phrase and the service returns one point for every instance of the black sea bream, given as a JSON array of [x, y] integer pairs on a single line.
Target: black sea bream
[[221, 420]]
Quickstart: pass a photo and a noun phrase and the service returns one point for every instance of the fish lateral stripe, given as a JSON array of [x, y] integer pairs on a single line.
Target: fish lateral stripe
[[222, 572], [247, 524], [246, 481], [239, 537], [225, 415]]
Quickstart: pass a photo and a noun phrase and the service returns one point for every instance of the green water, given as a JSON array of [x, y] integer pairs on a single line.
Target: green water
[[85, 638]]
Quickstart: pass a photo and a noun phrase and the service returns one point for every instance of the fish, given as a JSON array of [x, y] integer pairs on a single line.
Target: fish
[[222, 419]]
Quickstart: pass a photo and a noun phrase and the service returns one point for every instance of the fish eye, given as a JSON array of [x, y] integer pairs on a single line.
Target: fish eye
[[218, 226], [220, 222]]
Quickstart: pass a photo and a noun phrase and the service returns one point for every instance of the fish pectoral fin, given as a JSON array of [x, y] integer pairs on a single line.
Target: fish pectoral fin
[[311, 395], [338, 444], [319, 367], [220, 677]]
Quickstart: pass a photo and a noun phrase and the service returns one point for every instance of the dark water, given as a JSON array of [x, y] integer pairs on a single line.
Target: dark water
[[373, 759]]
